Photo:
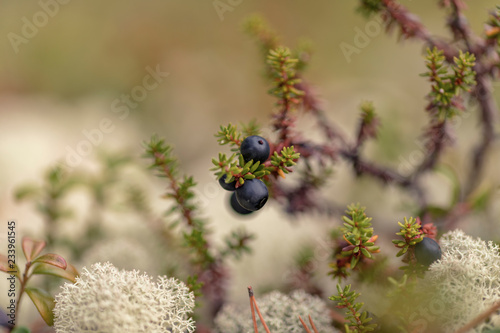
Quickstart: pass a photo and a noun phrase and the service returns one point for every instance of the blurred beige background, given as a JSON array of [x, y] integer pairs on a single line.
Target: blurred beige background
[[64, 77]]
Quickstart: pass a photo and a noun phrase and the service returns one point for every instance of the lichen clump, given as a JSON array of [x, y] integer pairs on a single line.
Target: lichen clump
[[105, 299], [466, 281], [281, 314]]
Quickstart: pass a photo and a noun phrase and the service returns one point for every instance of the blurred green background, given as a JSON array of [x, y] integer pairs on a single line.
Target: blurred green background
[[63, 80]]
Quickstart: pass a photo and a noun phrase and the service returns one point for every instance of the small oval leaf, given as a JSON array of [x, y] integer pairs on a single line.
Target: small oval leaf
[[32, 248], [354, 261], [52, 259], [366, 253], [4, 266], [70, 273], [43, 302], [7, 267]]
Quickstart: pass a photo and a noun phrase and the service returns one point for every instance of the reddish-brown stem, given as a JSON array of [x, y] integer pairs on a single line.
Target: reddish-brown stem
[[479, 319], [361, 166], [351, 308], [312, 324], [186, 212], [337, 317], [304, 324], [488, 111], [460, 27], [281, 122], [412, 28], [236, 176], [22, 282], [338, 144], [260, 316], [252, 299], [235, 141], [435, 148]]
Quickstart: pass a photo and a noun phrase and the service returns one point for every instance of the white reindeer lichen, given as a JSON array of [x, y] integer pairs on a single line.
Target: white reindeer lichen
[[105, 299], [280, 312], [466, 280]]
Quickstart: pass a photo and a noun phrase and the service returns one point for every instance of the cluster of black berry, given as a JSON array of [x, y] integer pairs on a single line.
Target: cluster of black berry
[[253, 194]]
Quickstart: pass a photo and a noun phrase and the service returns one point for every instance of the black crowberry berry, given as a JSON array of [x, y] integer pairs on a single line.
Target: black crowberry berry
[[252, 195], [237, 207], [227, 186], [255, 148], [427, 251]]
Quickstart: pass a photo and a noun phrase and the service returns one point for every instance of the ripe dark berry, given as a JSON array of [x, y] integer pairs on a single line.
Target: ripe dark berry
[[255, 148], [427, 251], [252, 195], [237, 207], [227, 186]]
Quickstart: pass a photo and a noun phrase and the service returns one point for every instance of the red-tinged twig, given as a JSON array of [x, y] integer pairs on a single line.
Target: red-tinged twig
[[334, 134], [23, 281], [339, 145], [411, 27], [489, 109], [312, 104], [460, 210], [437, 139], [174, 186], [479, 319], [304, 324], [312, 324], [337, 317], [260, 316], [385, 174], [251, 297], [482, 92], [254, 303], [461, 29]]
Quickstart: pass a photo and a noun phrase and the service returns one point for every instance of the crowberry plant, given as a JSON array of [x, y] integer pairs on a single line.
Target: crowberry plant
[[246, 170], [359, 322], [446, 284], [359, 241]]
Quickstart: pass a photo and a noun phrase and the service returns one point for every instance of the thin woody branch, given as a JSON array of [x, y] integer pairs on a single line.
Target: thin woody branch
[[411, 27], [489, 110], [479, 319]]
